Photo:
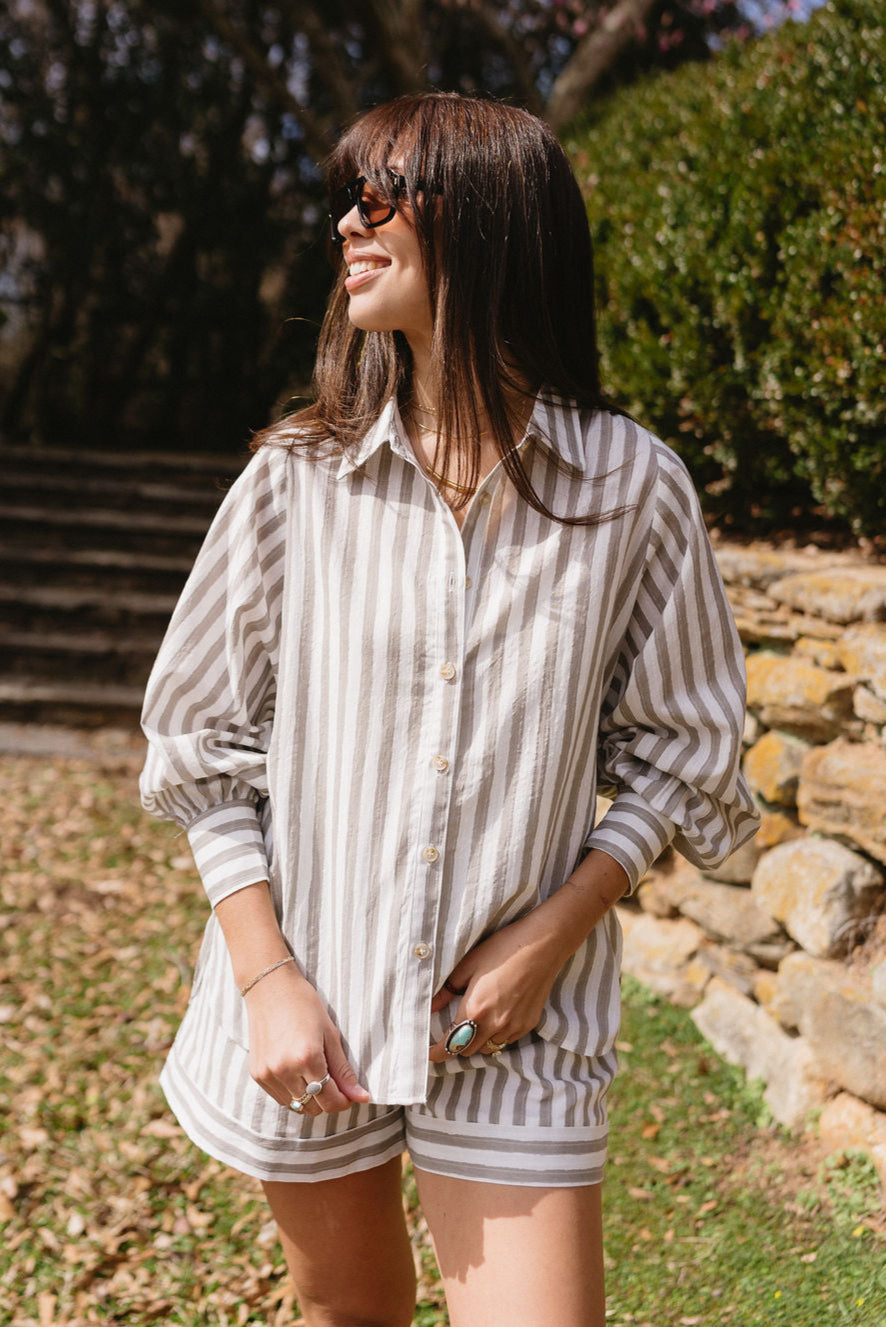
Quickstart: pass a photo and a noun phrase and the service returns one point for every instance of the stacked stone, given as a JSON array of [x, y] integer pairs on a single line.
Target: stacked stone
[[781, 953]]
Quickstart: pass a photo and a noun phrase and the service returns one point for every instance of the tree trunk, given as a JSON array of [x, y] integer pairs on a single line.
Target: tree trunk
[[400, 41], [593, 57]]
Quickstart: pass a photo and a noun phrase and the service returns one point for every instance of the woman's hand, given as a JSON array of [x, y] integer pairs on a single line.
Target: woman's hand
[[504, 983], [293, 1041]]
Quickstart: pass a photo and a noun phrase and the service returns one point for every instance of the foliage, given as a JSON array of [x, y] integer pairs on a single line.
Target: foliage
[[161, 218], [739, 212], [109, 1214]]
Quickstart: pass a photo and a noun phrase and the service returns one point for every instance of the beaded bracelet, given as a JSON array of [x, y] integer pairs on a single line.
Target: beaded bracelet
[[249, 985]]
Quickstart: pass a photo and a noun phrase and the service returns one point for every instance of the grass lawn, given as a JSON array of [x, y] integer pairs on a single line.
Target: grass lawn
[[109, 1215]]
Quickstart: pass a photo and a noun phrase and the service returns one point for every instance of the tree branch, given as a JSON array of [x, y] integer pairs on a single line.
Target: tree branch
[[317, 139], [593, 57], [400, 41], [325, 53], [516, 54]]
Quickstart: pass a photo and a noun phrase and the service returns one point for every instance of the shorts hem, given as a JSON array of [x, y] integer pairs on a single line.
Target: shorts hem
[[228, 1141], [503, 1175], [531, 1156]]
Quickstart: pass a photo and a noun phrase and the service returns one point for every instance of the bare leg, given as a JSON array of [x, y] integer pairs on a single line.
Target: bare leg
[[347, 1248], [511, 1254]]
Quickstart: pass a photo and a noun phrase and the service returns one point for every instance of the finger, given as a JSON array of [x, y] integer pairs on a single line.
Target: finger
[[286, 1093], [438, 1052], [495, 1043], [306, 1068], [299, 1106], [441, 1000], [315, 1088], [343, 1079]]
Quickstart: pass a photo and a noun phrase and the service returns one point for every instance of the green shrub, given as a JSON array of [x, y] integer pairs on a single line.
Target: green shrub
[[739, 214]]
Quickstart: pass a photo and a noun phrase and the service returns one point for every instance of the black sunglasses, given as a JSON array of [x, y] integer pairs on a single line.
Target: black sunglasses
[[372, 209]]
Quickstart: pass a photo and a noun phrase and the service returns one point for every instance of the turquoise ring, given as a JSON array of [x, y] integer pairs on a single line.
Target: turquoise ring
[[460, 1036]]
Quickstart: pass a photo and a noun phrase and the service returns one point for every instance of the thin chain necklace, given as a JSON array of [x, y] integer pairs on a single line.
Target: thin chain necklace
[[429, 470], [450, 483], [414, 405]]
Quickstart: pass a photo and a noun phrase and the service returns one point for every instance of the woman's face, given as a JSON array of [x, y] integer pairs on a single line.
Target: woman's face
[[386, 280]]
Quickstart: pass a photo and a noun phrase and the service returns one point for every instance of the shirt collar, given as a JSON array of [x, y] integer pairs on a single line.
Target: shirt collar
[[555, 421], [385, 429]]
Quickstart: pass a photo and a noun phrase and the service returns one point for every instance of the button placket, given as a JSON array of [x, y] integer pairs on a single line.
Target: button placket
[[434, 785]]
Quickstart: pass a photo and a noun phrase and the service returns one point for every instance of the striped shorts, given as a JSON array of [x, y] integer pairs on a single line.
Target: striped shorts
[[534, 1115]]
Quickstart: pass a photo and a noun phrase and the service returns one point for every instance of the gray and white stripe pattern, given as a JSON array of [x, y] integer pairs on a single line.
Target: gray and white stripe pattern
[[402, 725]]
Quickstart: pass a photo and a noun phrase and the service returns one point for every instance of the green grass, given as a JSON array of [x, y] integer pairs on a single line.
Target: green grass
[[109, 1215], [714, 1214]]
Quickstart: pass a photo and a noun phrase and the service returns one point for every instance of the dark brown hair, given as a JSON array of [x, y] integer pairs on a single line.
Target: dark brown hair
[[507, 252]]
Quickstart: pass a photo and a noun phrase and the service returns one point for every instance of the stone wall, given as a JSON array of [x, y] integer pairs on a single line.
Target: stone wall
[[781, 953]]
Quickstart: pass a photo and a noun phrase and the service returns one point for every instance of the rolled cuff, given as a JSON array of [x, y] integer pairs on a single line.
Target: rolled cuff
[[633, 834], [228, 848]]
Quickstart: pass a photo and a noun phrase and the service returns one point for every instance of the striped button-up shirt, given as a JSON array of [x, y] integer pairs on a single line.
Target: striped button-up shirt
[[404, 725]]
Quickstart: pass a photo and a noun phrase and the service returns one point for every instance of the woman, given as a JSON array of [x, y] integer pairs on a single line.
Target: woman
[[435, 607]]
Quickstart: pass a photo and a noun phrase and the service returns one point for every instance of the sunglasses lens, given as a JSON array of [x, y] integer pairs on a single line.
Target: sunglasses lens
[[373, 209]]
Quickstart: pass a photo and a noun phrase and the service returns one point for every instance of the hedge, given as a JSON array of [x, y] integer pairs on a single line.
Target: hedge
[[738, 209]]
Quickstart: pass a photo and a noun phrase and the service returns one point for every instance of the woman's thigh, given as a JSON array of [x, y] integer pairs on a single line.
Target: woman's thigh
[[347, 1248], [516, 1254]]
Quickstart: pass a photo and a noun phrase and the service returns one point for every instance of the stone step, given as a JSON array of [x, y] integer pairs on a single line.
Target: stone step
[[99, 528], [113, 568], [75, 704], [33, 488], [94, 548], [51, 608], [178, 467], [94, 657]]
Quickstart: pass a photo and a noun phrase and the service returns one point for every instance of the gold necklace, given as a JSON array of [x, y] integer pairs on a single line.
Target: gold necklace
[[450, 483], [429, 471]]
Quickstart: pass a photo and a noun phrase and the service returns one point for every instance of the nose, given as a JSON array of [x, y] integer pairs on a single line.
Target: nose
[[351, 224]]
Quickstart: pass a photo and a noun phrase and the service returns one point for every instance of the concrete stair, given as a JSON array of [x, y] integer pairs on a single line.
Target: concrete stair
[[94, 549]]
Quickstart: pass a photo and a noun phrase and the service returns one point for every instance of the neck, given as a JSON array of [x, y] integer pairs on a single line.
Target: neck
[[426, 388], [424, 380]]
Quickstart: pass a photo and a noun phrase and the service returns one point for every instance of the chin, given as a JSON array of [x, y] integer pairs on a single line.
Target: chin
[[366, 322]]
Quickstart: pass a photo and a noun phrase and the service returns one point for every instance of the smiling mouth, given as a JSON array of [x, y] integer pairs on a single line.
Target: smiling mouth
[[365, 265]]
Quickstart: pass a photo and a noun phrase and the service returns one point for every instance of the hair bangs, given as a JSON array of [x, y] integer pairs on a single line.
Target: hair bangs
[[368, 146]]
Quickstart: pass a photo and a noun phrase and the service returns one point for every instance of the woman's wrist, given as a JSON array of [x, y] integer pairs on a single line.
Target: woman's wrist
[[252, 933], [265, 972], [571, 912]]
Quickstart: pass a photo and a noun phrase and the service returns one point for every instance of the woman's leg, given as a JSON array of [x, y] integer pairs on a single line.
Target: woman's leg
[[516, 1254], [347, 1248]]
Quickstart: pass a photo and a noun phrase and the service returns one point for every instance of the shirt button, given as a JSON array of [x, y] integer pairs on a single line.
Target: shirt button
[[447, 671], [485, 499], [431, 853], [467, 582], [441, 764], [422, 951]]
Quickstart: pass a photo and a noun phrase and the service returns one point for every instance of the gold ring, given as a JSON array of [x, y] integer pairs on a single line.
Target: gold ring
[[496, 1046]]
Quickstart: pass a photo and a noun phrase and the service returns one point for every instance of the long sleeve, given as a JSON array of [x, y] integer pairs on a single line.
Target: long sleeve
[[209, 705], [672, 717]]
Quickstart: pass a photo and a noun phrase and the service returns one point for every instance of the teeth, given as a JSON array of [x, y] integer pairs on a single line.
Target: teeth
[[364, 265]]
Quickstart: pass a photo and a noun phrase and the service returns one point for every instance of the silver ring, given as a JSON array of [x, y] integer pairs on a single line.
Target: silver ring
[[460, 1036], [315, 1086]]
